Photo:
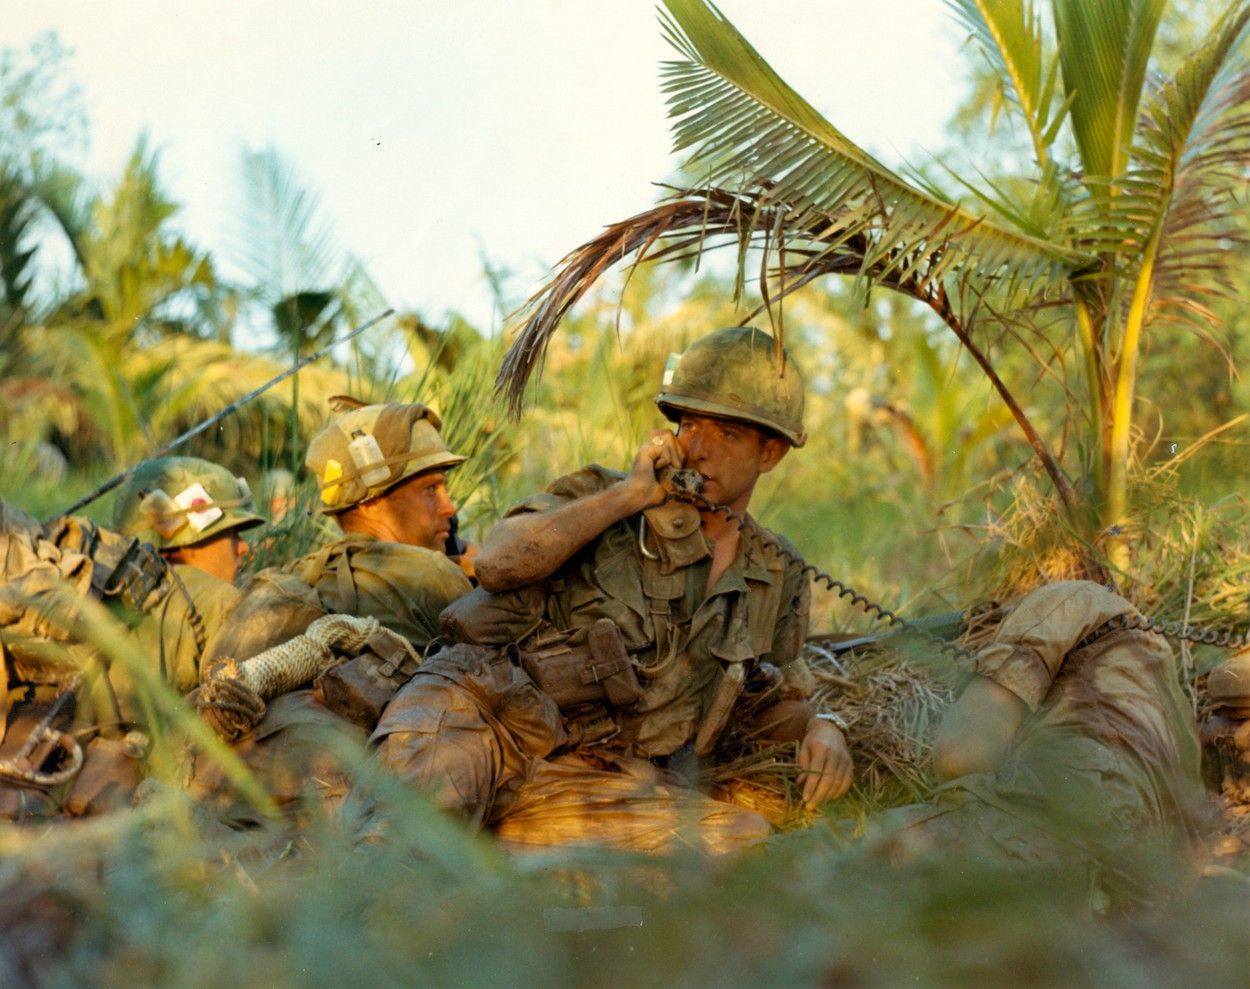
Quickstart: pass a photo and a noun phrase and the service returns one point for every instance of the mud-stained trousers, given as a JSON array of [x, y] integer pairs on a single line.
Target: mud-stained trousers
[[472, 729]]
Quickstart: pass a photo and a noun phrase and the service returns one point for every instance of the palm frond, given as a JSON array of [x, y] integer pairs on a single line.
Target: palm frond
[[687, 223], [1009, 32], [691, 222], [68, 199], [1104, 50], [1196, 145], [17, 210], [751, 133], [285, 244]]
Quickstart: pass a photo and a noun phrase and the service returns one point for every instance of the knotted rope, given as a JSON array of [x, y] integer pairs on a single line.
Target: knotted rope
[[232, 698]]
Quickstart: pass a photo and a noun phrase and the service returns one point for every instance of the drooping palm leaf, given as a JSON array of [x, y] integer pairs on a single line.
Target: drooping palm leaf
[[751, 132], [687, 224]]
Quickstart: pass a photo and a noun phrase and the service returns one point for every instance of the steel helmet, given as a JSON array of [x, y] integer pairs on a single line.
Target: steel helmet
[[179, 501], [367, 450], [735, 373]]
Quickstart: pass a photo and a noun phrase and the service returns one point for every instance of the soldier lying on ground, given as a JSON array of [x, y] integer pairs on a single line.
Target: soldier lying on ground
[[615, 629], [192, 511], [382, 471], [1073, 746]]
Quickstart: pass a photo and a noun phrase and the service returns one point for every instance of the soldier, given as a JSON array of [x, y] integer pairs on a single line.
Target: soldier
[[615, 629], [1226, 741], [191, 512], [382, 470], [383, 476], [382, 473], [1073, 745]]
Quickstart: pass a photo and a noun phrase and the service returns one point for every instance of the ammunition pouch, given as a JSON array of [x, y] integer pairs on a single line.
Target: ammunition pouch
[[360, 688], [597, 670]]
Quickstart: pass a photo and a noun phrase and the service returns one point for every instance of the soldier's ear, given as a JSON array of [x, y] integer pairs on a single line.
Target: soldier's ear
[[771, 452]]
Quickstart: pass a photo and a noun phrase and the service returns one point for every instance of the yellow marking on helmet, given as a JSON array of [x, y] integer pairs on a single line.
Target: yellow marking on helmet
[[330, 490]]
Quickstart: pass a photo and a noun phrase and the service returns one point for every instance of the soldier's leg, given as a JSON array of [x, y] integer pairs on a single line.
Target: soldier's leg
[[465, 728], [567, 802], [435, 737]]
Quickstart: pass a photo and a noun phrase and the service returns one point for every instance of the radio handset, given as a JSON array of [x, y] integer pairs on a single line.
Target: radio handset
[[681, 481], [455, 545]]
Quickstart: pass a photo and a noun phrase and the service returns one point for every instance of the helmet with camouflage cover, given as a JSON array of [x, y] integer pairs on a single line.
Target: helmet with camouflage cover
[[734, 373], [368, 449], [173, 502]]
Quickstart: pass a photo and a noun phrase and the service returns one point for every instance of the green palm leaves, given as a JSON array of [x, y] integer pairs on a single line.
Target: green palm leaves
[[1124, 222], [751, 132]]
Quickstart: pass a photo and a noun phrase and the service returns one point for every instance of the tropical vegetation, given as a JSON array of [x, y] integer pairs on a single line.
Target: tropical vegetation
[[1027, 370]]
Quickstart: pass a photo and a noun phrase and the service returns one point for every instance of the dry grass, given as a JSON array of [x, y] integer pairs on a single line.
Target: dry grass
[[891, 702]]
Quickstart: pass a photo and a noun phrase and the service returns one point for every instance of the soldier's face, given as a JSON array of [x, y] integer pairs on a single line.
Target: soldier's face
[[420, 510], [730, 455]]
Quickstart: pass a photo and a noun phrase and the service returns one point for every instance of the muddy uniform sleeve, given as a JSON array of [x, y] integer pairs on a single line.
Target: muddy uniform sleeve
[[1041, 630]]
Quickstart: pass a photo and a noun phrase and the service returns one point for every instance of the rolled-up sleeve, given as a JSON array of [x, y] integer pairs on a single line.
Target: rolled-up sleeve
[[1041, 630]]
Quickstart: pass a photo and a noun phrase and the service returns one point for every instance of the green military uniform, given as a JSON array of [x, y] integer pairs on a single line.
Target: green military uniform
[[1107, 761], [361, 455], [172, 628], [475, 728], [404, 587], [170, 611]]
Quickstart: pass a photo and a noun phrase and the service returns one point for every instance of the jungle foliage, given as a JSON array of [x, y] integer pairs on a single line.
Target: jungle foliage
[[1015, 369]]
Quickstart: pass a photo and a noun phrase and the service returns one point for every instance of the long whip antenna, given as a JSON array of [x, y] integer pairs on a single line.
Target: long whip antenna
[[234, 406]]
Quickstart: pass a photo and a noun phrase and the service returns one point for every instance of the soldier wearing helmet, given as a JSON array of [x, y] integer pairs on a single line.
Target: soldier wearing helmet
[[191, 510], [382, 473], [635, 624], [166, 573]]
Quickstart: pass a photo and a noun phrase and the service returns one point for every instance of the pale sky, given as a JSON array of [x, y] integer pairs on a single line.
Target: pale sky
[[432, 130]]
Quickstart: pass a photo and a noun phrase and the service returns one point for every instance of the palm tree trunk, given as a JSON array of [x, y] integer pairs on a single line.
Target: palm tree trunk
[[1116, 517]]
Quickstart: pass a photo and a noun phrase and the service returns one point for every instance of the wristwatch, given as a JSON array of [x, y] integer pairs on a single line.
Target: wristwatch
[[834, 719]]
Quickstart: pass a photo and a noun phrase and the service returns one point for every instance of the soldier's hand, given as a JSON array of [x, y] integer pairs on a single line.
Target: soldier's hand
[[825, 763], [657, 453]]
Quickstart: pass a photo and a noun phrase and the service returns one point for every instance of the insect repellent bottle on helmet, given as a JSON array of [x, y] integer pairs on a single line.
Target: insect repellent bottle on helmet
[[365, 453], [737, 373]]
